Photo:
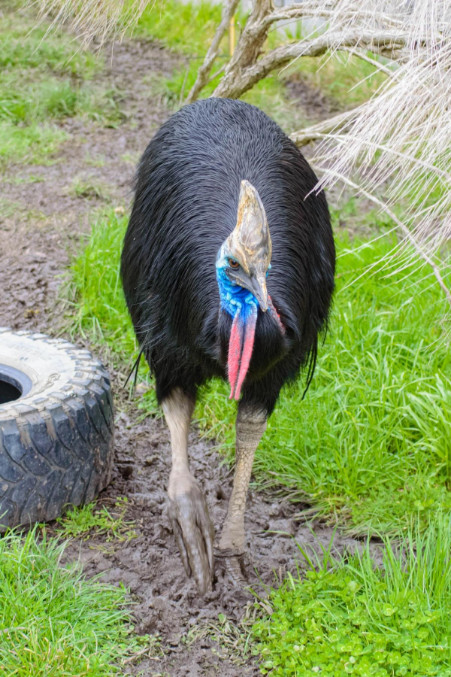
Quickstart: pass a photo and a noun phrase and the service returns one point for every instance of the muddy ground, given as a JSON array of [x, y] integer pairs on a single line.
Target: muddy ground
[[39, 229]]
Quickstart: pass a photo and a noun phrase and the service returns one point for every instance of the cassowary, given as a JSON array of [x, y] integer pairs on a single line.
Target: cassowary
[[228, 268]]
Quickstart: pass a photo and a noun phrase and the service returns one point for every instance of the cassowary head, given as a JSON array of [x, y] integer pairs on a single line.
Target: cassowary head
[[242, 264], [247, 251]]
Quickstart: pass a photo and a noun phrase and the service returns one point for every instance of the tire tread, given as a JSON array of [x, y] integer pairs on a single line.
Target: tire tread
[[58, 451]]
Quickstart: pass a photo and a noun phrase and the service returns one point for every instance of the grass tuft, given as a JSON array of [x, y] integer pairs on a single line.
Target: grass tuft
[[346, 616], [55, 622], [97, 303], [88, 520], [89, 187], [33, 143]]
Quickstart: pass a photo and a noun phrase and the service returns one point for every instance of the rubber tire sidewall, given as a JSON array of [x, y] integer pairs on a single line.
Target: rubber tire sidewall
[[56, 441]]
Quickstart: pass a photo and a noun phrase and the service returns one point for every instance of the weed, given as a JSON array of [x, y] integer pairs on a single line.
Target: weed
[[130, 158], [231, 640], [10, 209], [88, 520], [30, 178], [96, 161]]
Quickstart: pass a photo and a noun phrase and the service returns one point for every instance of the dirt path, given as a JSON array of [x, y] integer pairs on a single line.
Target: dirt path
[[41, 218], [41, 226]]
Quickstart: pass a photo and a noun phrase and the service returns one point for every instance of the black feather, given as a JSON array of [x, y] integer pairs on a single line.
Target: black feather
[[134, 370], [185, 206]]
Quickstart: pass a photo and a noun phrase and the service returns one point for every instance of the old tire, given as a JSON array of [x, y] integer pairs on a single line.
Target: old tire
[[56, 427]]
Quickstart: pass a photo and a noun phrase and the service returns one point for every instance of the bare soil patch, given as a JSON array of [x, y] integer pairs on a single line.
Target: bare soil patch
[[311, 99], [40, 225], [42, 217]]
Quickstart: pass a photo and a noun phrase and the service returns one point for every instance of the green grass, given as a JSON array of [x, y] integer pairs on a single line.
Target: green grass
[[43, 79], [33, 144], [27, 45], [54, 622], [370, 443], [97, 304], [89, 520], [89, 187], [30, 101], [347, 616], [189, 28], [184, 27]]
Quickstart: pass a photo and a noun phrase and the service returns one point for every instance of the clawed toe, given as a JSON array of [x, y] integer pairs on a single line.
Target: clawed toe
[[194, 535], [233, 563]]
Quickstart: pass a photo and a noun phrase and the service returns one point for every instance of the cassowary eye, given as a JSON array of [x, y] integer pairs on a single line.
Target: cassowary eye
[[233, 264]]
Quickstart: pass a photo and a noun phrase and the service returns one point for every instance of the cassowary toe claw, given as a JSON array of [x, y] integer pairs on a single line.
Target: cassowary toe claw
[[194, 534], [233, 565]]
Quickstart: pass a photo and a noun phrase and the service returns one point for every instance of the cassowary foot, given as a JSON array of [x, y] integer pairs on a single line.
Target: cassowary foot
[[194, 534], [233, 562]]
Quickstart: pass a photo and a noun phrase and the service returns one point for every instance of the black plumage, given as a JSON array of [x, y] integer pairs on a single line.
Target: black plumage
[[185, 206]]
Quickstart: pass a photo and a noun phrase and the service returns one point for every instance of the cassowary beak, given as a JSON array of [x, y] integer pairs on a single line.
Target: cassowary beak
[[260, 292], [251, 239], [250, 244]]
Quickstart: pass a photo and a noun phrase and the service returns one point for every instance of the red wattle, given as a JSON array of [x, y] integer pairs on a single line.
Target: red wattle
[[233, 360], [241, 345], [248, 345]]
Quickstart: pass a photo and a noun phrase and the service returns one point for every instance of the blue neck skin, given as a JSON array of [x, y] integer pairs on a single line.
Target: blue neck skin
[[233, 297]]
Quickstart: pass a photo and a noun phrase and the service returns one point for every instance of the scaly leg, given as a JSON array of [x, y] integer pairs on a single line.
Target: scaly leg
[[250, 426], [188, 510]]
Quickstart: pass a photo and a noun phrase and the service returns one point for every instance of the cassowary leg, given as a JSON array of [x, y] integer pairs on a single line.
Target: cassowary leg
[[250, 426], [188, 510]]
